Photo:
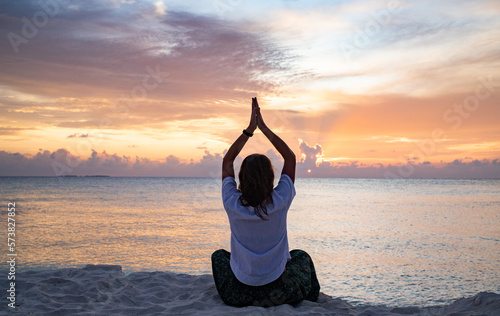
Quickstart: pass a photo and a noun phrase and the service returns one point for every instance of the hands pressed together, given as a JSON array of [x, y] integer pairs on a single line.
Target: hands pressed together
[[256, 119]]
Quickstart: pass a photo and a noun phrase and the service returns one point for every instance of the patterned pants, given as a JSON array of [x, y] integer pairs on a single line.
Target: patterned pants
[[298, 282]]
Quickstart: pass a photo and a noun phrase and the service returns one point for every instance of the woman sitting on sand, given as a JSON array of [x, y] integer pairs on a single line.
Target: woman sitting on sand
[[260, 270]]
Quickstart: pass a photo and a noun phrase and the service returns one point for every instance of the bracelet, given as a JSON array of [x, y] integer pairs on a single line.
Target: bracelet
[[247, 133]]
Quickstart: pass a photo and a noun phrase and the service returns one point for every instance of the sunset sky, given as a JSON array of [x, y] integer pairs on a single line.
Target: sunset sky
[[162, 88]]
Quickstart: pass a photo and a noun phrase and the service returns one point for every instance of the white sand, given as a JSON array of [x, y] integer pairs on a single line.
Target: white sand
[[106, 290]]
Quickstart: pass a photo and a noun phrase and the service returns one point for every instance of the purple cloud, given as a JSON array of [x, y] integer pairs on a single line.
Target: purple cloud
[[62, 162]]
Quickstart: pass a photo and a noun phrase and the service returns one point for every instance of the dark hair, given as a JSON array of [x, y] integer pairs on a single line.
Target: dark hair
[[256, 183]]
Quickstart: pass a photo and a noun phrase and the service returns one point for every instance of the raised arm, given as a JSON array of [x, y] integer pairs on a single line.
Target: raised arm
[[234, 150], [279, 144]]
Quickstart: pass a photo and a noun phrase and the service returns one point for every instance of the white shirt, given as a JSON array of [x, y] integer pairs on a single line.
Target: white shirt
[[259, 248]]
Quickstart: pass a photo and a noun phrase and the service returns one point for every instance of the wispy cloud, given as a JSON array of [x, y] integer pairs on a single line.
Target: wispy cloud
[[78, 135], [160, 7], [99, 52]]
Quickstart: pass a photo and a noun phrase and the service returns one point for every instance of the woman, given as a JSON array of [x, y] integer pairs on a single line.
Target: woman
[[260, 270]]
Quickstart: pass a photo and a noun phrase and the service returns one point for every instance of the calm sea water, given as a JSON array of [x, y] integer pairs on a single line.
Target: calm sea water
[[373, 241]]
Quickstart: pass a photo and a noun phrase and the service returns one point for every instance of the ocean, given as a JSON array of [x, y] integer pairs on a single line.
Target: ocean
[[395, 242]]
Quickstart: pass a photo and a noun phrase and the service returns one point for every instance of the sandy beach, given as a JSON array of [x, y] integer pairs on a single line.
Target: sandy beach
[[107, 290]]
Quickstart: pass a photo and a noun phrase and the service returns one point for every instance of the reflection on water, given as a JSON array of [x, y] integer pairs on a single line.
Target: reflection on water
[[395, 242]]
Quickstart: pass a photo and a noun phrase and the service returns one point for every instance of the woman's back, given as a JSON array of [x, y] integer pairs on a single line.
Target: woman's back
[[259, 246]]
